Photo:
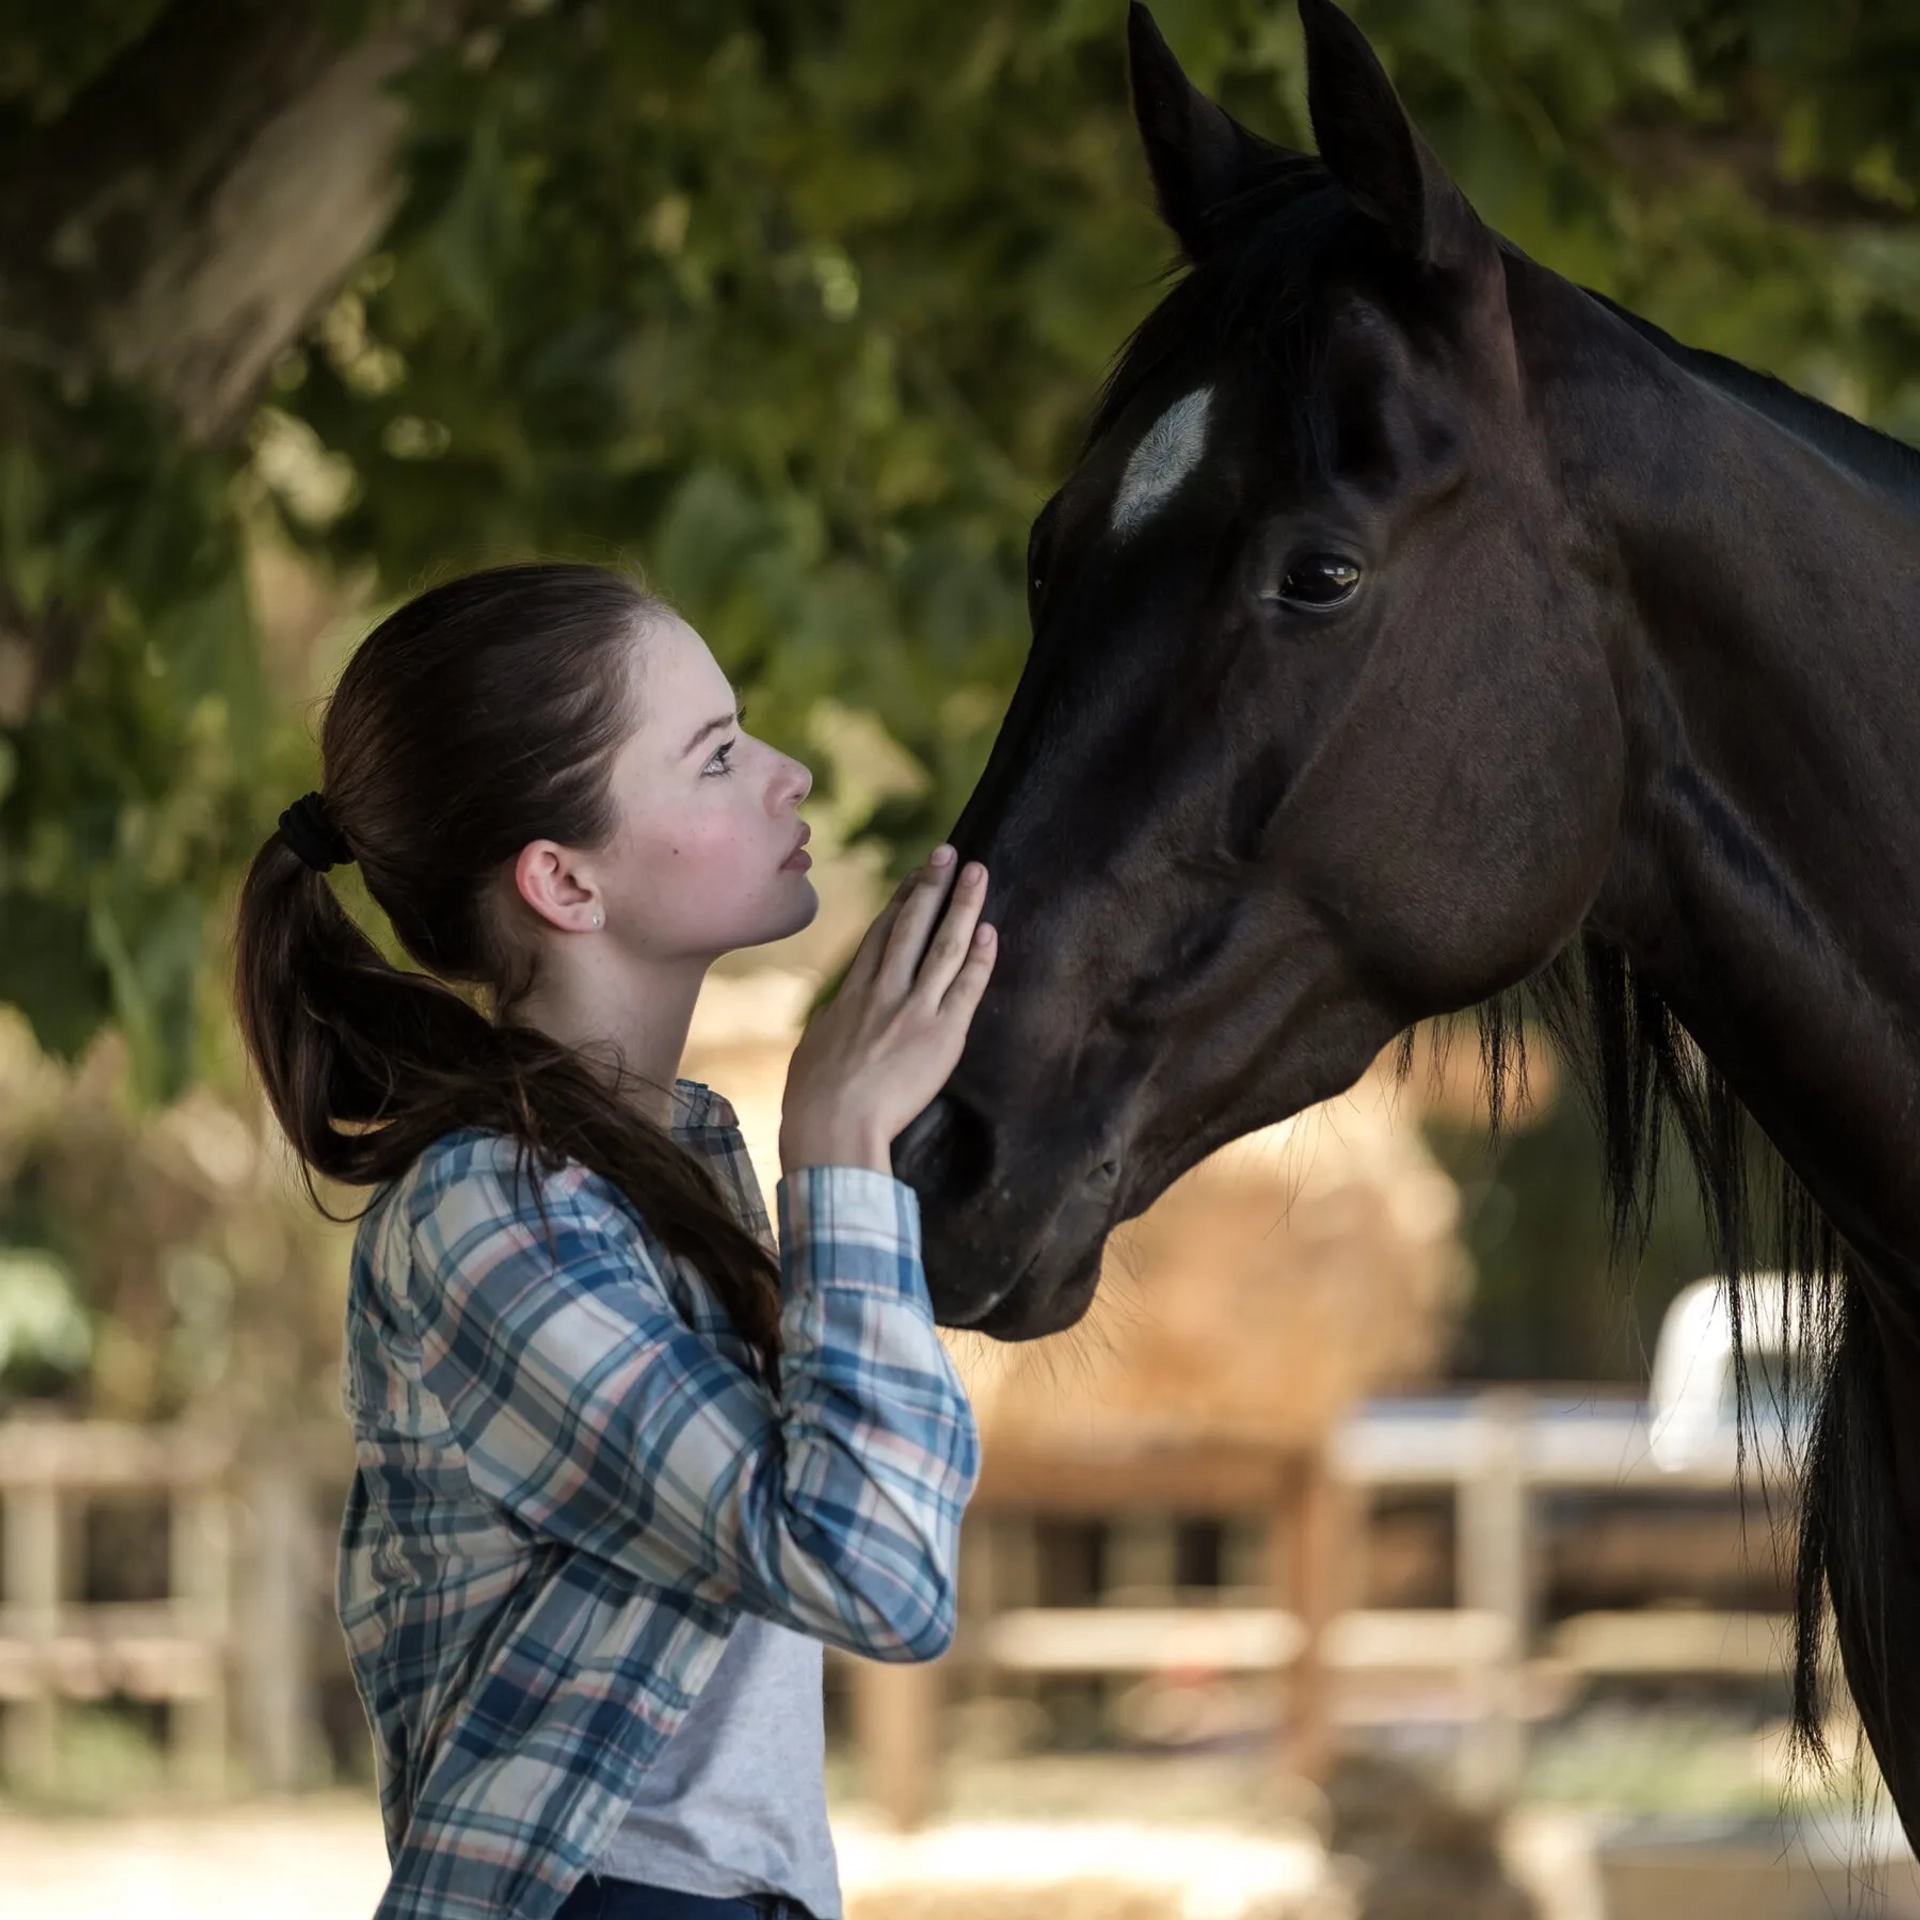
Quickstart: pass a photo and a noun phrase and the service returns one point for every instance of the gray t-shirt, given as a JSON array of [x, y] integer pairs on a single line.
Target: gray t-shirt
[[736, 1802]]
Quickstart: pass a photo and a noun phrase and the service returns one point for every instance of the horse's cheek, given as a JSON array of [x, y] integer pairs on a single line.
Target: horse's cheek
[[1469, 864]]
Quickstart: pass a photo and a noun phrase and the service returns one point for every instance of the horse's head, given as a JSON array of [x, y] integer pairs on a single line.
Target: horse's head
[[1316, 737]]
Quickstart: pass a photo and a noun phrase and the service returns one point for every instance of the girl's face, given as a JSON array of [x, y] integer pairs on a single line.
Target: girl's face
[[706, 852]]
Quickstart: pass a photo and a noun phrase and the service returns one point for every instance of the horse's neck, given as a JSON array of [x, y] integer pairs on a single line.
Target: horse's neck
[[1767, 879]]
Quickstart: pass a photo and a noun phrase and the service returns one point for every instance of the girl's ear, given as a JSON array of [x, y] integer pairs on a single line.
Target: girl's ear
[[547, 877]]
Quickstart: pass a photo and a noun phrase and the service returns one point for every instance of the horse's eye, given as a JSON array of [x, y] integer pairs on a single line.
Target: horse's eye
[[1316, 583]]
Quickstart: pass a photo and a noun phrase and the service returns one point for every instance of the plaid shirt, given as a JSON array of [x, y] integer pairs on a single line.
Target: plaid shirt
[[570, 1485]]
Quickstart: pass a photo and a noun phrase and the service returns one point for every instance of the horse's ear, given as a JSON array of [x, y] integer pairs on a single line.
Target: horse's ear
[[1198, 154], [1374, 150]]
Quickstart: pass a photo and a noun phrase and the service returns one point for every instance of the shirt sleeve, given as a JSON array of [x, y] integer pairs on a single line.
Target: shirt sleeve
[[595, 1416]]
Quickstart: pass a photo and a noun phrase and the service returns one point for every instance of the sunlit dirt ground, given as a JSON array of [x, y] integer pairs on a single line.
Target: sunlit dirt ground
[[321, 1858]]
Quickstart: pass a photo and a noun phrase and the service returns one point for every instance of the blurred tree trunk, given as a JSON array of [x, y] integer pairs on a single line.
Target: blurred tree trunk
[[183, 219]]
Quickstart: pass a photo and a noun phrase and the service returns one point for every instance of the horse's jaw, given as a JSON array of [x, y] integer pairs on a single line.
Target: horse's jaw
[[1016, 1213]]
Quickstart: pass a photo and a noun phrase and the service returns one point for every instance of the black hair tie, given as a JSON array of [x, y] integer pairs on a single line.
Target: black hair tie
[[307, 827]]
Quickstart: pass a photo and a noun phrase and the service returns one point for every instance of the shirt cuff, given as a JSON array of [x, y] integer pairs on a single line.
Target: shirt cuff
[[851, 1227]]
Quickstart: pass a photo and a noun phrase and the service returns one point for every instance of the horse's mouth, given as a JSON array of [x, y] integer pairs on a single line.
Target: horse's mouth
[[1012, 1265], [1046, 1297]]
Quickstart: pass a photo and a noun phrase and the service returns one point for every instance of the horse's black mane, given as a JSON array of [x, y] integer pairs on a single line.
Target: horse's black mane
[[1644, 1078], [1864, 451], [1276, 243]]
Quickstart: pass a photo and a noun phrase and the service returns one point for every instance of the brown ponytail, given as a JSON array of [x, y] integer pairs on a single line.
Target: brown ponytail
[[483, 714]]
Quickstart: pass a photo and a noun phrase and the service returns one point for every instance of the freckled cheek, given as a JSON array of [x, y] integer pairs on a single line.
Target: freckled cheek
[[695, 855]]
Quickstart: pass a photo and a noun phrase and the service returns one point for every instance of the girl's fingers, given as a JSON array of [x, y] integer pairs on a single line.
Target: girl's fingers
[[873, 943], [949, 946], [963, 997], [900, 961]]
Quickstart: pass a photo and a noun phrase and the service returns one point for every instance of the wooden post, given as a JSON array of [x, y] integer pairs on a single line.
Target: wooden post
[[896, 1722], [1310, 1567], [1013, 1581], [1139, 1566], [1495, 1574], [280, 1705], [200, 1580], [1015, 1562], [32, 1520], [1243, 1562]]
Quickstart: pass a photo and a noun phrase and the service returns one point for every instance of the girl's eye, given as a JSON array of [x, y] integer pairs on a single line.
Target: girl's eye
[[719, 763]]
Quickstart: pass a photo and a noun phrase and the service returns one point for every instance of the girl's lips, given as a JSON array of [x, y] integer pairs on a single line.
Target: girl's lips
[[798, 861]]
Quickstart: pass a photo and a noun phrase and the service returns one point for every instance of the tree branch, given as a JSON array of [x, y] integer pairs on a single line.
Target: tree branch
[[180, 223]]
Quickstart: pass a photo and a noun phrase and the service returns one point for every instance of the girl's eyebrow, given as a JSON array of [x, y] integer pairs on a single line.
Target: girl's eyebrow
[[712, 726]]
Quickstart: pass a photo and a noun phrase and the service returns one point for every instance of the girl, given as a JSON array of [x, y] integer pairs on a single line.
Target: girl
[[620, 1470]]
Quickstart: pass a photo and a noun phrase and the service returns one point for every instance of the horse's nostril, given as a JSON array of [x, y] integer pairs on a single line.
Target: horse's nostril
[[947, 1152]]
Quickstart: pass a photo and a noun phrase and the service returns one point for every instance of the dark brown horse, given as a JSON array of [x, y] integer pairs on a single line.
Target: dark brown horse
[[1417, 628]]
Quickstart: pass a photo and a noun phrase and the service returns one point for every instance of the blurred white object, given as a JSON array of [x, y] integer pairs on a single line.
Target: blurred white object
[[1693, 1414]]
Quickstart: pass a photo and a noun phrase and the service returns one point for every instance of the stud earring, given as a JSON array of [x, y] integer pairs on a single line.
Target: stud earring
[[599, 918]]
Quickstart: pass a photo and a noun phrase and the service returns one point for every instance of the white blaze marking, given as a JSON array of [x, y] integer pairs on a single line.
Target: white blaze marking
[[1169, 450]]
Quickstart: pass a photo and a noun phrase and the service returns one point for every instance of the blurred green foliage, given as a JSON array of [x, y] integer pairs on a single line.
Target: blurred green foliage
[[156, 1261], [798, 305]]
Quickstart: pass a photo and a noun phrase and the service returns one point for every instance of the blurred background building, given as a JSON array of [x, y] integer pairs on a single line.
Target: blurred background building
[[1335, 1535]]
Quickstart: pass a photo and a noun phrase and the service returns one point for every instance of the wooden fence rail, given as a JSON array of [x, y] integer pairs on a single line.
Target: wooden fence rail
[[230, 1649], [228, 1621]]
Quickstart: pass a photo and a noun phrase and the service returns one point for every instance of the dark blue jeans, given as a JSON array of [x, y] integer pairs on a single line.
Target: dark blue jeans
[[600, 1899]]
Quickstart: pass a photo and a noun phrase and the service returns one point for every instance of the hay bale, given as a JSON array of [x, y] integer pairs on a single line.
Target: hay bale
[[1281, 1280]]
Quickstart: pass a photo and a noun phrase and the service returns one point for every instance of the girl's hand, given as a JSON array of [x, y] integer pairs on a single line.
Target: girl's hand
[[875, 1057]]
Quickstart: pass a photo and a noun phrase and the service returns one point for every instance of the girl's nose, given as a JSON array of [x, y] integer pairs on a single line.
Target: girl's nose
[[795, 784]]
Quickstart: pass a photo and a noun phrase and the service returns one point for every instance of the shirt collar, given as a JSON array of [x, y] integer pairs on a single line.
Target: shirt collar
[[697, 1107]]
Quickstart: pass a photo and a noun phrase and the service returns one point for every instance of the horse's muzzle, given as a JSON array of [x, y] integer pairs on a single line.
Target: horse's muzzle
[[1012, 1244]]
